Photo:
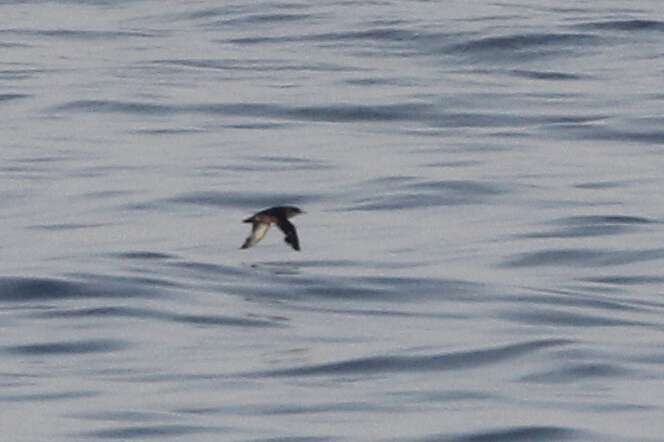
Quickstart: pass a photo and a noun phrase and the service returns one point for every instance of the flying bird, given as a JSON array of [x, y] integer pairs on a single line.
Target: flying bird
[[261, 222]]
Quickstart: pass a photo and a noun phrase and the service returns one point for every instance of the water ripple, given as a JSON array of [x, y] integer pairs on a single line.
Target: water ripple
[[592, 225], [368, 288], [522, 46], [13, 97], [296, 439], [391, 35], [69, 347], [80, 34], [43, 397], [404, 193], [278, 409], [623, 25], [603, 133], [265, 19], [567, 319], [23, 289], [115, 106], [144, 313], [626, 280], [439, 362], [570, 298], [258, 65], [578, 373], [144, 255], [150, 431], [271, 164], [515, 434], [331, 113], [408, 111], [214, 12], [66, 226], [583, 257], [546, 75], [239, 199]]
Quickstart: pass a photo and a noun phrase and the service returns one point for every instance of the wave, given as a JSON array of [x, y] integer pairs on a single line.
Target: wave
[[510, 48], [251, 200], [514, 434], [438, 362], [78, 34], [25, 289], [405, 193], [67, 347], [592, 225], [150, 431], [583, 257], [623, 25], [145, 313], [13, 97], [331, 113]]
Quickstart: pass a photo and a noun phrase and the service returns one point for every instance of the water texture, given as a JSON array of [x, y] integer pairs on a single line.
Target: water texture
[[482, 249]]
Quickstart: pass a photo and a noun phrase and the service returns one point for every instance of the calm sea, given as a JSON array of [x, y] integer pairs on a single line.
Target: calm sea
[[482, 253]]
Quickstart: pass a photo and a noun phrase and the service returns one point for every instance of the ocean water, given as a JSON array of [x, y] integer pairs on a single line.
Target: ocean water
[[482, 251]]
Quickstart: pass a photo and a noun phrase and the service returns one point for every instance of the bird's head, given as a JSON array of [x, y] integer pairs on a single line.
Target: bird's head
[[292, 211]]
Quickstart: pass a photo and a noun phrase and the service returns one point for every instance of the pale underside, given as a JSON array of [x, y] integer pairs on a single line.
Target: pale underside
[[258, 232]]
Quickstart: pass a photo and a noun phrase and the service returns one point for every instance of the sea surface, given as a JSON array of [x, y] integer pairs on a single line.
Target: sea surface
[[482, 250]]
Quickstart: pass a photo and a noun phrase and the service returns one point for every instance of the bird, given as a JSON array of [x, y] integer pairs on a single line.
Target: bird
[[261, 222]]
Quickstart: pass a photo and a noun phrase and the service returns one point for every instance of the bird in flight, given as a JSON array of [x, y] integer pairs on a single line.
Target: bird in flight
[[261, 222]]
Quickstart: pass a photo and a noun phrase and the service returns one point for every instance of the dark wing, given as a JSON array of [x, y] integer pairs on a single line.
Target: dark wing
[[290, 232]]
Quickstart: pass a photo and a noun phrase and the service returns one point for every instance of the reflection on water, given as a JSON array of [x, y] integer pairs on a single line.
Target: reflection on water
[[278, 268], [480, 255]]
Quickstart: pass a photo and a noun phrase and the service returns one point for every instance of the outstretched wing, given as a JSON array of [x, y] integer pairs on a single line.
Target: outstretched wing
[[290, 232], [258, 231]]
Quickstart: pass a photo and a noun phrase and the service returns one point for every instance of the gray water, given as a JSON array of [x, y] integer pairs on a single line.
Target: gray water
[[482, 249]]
